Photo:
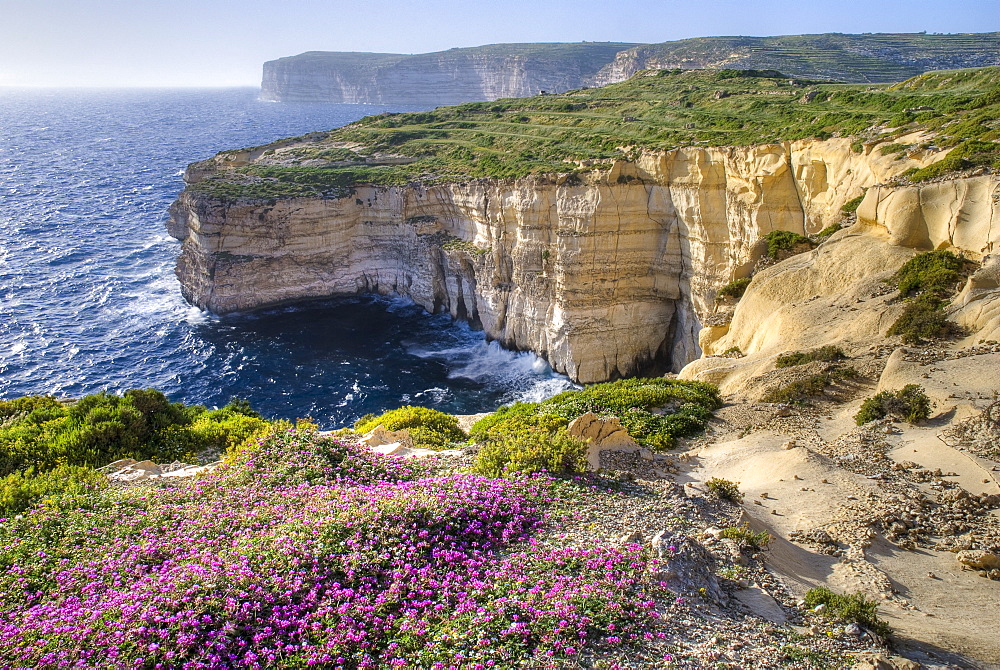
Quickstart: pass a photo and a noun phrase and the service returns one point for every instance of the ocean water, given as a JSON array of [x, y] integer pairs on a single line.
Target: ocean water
[[89, 301]]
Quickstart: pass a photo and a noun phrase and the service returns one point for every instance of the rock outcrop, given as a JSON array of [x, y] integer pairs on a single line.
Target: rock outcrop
[[442, 78], [608, 275], [838, 293]]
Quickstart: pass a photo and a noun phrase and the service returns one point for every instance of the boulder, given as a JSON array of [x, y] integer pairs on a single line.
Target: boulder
[[979, 560], [136, 472], [379, 437], [601, 435], [884, 662], [758, 601], [188, 471], [686, 566]]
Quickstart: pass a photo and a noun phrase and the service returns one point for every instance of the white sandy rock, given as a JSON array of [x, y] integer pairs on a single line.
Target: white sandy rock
[[601, 435], [380, 437]]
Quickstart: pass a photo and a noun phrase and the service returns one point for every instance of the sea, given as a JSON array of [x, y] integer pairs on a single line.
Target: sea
[[89, 300]]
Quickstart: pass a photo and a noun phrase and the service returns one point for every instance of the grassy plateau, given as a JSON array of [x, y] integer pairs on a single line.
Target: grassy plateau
[[583, 130]]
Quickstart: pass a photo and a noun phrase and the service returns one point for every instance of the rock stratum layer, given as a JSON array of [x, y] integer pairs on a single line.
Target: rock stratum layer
[[516, 70], [441, 78], [838, 293], [883, 57], [606, 274]]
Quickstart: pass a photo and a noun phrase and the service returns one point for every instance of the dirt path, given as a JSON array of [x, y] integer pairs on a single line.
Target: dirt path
[[830, 493]]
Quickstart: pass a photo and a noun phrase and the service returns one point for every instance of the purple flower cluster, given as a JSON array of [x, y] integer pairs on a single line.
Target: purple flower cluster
[[365, 567]]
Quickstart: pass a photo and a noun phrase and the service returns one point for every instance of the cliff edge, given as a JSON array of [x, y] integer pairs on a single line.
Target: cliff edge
[[608, 262]]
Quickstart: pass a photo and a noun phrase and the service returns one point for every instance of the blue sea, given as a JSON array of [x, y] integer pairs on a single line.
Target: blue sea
[[89, 300]]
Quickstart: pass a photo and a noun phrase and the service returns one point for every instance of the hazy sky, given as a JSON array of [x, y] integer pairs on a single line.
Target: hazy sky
[[224, 42]]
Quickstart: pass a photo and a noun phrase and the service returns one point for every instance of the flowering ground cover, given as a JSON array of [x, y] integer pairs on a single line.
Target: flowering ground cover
[[304, 551]]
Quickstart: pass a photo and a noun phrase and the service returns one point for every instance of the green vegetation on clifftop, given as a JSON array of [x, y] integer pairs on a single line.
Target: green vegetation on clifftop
[[656, 110]]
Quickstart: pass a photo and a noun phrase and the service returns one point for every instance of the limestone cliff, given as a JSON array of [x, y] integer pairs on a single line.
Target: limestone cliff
[[606, 274], [838, 293], [442, 78], [884, 57], [515, 70]]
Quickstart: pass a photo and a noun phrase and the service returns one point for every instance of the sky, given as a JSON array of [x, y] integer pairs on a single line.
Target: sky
[[225, 42]]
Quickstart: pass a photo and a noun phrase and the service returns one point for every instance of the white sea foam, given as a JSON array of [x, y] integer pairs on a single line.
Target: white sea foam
[[522, 375]]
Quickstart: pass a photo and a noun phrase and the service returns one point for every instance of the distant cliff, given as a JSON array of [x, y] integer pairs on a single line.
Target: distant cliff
[[879, 57], [519, 70], [442, 78]]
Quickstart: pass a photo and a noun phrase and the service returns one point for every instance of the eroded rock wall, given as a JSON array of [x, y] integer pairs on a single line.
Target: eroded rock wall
[[441, 78], [604, 276], [838, 294]]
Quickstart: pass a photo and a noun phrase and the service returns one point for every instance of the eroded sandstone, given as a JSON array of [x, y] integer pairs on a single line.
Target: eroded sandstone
[[604, 276]]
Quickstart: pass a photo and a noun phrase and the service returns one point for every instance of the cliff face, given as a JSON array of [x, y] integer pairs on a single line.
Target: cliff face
[[442, 78], [856, 58], [607, 276], [838, 293], [517, 70]]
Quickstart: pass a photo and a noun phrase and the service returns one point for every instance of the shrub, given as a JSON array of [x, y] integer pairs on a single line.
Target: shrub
[[893, 148], [745, 537], [848, 207], [910, 404], [800, 389], [21, 490], [725, 489], [429, 428], [686, 406], [934, 275], [812, 386], [830, 230], [935, 271], [224, 430], [828, 354], [734, 289], [530, 451], [922, 319], [783, 241], [968, 154], [42, 433], [850, 608]]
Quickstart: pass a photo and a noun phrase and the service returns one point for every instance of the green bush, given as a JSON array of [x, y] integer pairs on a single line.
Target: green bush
[[934, 276], [682, 408], [800, 389], [849, 207], [935, 271], [734, 289], [910, 404], [21, 490], [968, 154], [41, 433], [532, 450], [893, 148], [828, 354], [745, 537], [831, 229], [850, 608], [429, 428], [922, 319], [725, 489], [779, 241]]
